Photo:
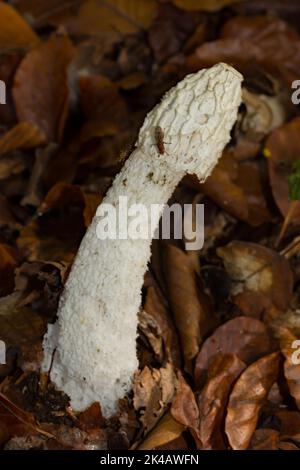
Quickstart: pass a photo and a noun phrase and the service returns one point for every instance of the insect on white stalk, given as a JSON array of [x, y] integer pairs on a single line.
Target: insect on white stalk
[[93, 343]]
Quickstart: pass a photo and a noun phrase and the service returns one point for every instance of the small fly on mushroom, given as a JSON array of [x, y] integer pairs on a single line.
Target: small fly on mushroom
[[159, 140]]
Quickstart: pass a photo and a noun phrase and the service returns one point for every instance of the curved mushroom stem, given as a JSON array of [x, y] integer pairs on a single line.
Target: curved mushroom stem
[[91, 350]]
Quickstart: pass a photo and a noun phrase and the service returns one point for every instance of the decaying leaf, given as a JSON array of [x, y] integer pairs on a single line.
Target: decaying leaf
[[63, 195], [153, 390], [169, 30], [36, 246], [290, 349], [264, 113], [191, 316], [22, 330], [247, 398], [265, 439], [271, 45], [185, 409], [124, 16], [245, 337], [23, 136], [11, 165], [165, 341], [221, 375], [14, 31], [260, 271], [238, 189], [40, 89], [9, 259], [206, 5], [167, 430]]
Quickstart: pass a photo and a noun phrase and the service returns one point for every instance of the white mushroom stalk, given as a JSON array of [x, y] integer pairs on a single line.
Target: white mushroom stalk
[[91, 350]]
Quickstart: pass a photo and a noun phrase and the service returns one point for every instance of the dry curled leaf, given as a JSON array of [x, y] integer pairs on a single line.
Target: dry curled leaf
[[153, 390], [23, 136], [167, 430], [14, 31], [185, 409], [247, 398], [237, 187], [265, 439], [191, 316], [246, 337], [261, 271], [213, 398], [165, 342], [40, 90]]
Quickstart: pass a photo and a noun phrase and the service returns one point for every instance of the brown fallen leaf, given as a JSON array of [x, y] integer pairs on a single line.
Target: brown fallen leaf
[[263, 114], [213, 398], [289, 423], [288, 446], [264, 439], [40, 90], [205, 5], [169, 30], [238, 189], [42, 14], [19, 422], [9, 260], [125, 16], [14, 31], [192, 317], [153, 390], [167, 430], [255, 268], [63, 195], [23, 136], [291, 365], [245, 337], [246, 399], [165, 343], [12, 164], [39, 285], [103, 106], [271, 44], [91, 418], [22, 330], [184, 408], [36, 246]]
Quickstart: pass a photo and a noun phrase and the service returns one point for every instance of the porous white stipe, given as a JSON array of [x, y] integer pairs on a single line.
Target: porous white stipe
[[94, 339]]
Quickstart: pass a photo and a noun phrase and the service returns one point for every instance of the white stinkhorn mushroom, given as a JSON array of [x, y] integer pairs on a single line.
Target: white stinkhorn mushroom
[[91, 350]]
